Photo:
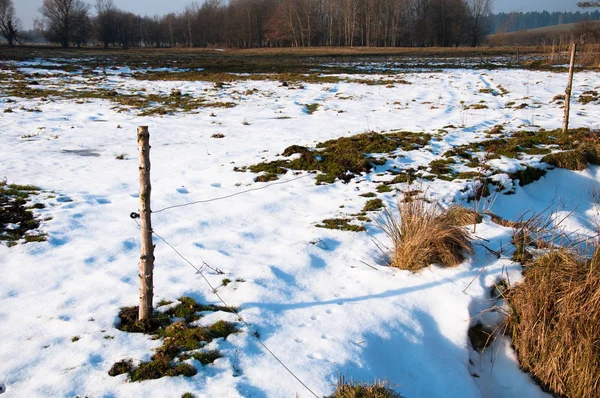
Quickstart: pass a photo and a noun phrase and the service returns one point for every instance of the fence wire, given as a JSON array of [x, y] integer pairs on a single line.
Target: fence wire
[[204, 265]]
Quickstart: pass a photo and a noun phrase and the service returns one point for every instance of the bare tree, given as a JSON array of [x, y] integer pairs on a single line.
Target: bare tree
[[105, 22], [9, 25], [480, 11], [66, 20]]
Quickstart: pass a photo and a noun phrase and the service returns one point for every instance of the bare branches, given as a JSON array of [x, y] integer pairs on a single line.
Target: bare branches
[[67, 21], [9, 24]]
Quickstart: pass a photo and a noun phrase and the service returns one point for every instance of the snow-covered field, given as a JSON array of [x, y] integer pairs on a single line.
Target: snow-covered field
[[306, 290]]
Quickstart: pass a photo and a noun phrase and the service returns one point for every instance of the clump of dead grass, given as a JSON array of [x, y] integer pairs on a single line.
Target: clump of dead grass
[[350, 389], [424, 234], [554, 322], [461, 216]]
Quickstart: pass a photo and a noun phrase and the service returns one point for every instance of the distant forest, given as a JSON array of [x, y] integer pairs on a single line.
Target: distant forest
[[279, 23], [512, 22]]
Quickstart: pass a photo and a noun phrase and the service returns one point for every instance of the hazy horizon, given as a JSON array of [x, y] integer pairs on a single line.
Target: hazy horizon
[[27, 10]]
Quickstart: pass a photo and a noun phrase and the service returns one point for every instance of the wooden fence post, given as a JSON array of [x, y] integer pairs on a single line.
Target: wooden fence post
[[569, 88], [146, 265]]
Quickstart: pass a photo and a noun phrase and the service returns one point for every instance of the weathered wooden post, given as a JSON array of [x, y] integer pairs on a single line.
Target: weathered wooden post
[[569, 88], [146, 265]]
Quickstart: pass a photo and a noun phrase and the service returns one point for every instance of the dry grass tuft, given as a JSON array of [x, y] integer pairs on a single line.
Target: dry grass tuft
[[423, 234], [350, 389], [461, 216], [554, 322]]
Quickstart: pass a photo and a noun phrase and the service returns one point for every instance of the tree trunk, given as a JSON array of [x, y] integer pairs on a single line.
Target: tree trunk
[[146, 265], [569, 88]]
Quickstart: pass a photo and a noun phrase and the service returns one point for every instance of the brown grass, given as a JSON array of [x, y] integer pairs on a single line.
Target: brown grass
[[461, 216], [423, 234], [554, 322], [350, 389]]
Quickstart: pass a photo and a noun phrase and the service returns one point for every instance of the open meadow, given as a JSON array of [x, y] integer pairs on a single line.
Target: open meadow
[[290, 165]]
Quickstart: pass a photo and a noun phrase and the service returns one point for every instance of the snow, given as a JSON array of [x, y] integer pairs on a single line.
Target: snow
[[306, 290]]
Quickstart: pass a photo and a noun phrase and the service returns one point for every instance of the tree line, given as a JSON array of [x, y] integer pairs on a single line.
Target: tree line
[[268, 23], [513, 22]]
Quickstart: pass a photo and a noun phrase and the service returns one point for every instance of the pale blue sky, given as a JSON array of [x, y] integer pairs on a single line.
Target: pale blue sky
[[28, 9]]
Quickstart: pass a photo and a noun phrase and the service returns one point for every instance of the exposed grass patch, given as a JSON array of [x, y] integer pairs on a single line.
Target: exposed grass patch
[[589, 96], [17, 220], [580, 146], [222, 77], [441, 166], [350, 389], [373, 205], [528, 175], [311, 108], [476, 106], [342, 158], [207, 357], [424, 234], [368, 195], [383, 188], [554, 320], [571, 160], [178, 336], [120, 368], [146, 104], [342, 224]]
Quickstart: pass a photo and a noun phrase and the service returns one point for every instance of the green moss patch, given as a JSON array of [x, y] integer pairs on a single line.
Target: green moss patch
[[181, 340], [343, 224], [342, 158], [571, 160], [18, 222], [383, 188], [441, 166], [373, 205]]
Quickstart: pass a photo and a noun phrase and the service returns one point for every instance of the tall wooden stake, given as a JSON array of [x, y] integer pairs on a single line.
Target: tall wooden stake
[[569, 88], [146, 265]]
